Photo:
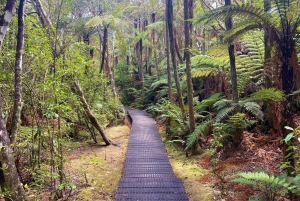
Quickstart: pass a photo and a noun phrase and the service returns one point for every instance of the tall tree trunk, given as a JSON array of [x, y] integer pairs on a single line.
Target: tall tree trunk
[[77, 89], [43, 17], [267, 57], [113, 69], [105, 40], [177, 48], [9, 11], [169, 7], [9, 178], [169, 71], [140, 62], [18, 72], [188, 14], [153, 20], [110, 74], [228, 23]]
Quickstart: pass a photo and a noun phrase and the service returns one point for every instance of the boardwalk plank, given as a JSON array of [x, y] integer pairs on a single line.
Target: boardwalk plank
[[147, 173]]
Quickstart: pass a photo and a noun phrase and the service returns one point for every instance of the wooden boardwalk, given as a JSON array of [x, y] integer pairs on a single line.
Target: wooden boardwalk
[[147, 173]]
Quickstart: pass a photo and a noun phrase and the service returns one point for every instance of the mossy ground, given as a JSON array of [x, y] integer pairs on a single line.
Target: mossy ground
[[188, 169], [96, 170]]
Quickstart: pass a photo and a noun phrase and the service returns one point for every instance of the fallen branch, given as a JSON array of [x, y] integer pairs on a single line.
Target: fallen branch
[[77, 90]]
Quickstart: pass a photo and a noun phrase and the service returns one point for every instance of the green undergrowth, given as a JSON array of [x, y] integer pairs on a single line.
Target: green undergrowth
[[187, 169]]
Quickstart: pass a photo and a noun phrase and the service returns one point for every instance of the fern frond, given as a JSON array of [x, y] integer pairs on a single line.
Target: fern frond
[[244, 181], [222, 103], [94, 21], [239, 29], [268, 94], [159, 83], [203, 60], [200, 129], [225, 112], [239, 10], [201, 72], [208, 101], [255, 109]]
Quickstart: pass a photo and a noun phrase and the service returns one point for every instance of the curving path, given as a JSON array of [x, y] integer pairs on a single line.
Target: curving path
[[147, 173]]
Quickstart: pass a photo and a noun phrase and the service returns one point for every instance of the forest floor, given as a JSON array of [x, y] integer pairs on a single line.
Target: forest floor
[[96, 169]]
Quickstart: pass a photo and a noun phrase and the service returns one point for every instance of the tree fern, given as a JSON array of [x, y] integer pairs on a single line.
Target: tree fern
[[200, 129], [250, 66]]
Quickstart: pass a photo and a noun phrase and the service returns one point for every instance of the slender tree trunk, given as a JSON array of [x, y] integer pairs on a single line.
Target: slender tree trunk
[[169, 71], [9, 178], [187, 25], [18, 72], [77, 89], [267, 56], [188, 14], [104, 47], [5, 19], [43, 17], [228, 23], [110, 74], [169, 7], [140, 63], [177, 48], [113, 69], [153, 20]]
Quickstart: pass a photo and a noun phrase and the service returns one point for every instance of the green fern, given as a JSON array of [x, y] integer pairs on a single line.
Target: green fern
[[269, 185], [166, 110], [268, 95], [204, 65], [241, 28], [207, 102], [200, 129], [254, 108], [239, 10], [225, 112]]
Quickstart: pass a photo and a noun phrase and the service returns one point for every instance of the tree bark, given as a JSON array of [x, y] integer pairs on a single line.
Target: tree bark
[[228, 23], [105, 39], [169, 71], [44, 19], [187, 28], [18, 72], [5, 19], [9, 178], [153, 20], [77, 89], [169, 19]]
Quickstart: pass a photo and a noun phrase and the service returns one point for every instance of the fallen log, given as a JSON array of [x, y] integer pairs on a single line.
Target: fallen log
[[77, 90]]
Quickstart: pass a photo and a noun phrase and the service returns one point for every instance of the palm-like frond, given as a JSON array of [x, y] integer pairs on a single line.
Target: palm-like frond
[[269, 95], [200, 129], [222, 104], [225, 112], [255, 109], [249, 65], [239, 29], [207, 102], [204, 65], [239, 10]]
